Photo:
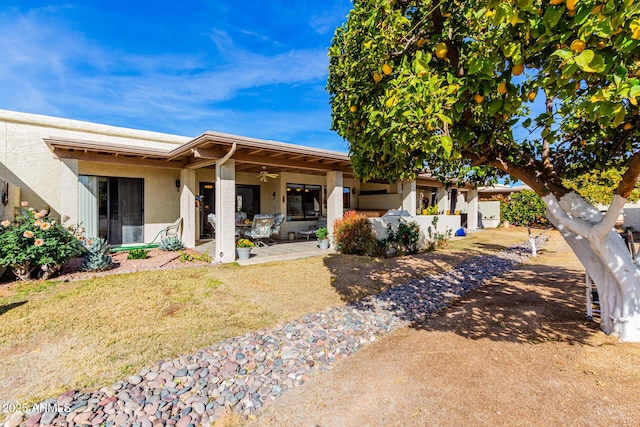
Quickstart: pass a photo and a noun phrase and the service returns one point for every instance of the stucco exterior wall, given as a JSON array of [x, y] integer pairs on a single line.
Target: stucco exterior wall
[[47, 181]]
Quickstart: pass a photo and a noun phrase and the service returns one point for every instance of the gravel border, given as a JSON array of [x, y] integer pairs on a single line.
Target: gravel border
[[244, 373]]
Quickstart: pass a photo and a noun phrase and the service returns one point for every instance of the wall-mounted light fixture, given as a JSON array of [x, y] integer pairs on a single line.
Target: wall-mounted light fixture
[[274, 195], [178, 184], [353, 191]]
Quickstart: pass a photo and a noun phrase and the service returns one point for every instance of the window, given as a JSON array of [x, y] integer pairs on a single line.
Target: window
[[303, 202], [346, 198], [112, 208]]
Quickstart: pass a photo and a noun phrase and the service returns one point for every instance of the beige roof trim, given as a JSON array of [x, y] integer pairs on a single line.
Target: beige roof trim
[[260, 144]]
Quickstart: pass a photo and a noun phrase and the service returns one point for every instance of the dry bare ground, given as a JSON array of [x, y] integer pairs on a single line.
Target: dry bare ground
[[516, 352]]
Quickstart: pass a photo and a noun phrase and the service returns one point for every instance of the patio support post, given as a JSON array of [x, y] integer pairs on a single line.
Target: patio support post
[[334, 198], [188, 206], [472, 210], [409, 196], [225, 211], [443, 200]]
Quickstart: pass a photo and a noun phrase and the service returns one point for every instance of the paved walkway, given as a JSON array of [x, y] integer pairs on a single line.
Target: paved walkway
[[283, 250]]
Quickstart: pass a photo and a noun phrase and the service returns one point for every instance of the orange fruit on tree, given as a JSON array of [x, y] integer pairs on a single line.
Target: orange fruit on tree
[[517, 69], [377, 77], [578, 45], [532, 95], [556, 2], [627, 126], [571, 5], [353, 108], [441, 50], [502, 87], [386, 68], [600, 45], [478, 98]]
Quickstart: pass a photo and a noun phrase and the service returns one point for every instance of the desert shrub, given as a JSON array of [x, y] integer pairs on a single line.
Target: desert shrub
[[436, 239], [138, 254], [354, 234], [97, 256], [524, 208], [185, 257], [171, 244], [35, 245]]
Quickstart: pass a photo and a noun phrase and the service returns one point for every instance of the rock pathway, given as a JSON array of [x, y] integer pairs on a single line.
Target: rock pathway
[[244, 373]]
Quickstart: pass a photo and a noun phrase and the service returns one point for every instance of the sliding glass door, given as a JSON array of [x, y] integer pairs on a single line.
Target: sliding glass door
[[112, 208]]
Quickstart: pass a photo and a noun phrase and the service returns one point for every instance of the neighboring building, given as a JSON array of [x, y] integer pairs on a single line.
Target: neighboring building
[[127, 185]]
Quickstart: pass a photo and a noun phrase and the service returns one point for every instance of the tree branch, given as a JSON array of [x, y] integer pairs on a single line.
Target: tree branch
[[546, 161], [610, 218], [630, 177], [574, 225]]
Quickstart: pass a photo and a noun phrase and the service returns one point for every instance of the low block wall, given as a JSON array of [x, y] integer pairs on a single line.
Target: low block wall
[[445, 222]]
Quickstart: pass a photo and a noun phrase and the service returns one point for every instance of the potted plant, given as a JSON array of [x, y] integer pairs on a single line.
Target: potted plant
[[243, 248], [321, 234]]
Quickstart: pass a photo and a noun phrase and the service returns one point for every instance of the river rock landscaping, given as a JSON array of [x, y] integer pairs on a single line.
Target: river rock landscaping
[[245, 373]]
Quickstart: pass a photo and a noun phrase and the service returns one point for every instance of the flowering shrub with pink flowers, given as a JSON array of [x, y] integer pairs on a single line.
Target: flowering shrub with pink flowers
[[33, 245]]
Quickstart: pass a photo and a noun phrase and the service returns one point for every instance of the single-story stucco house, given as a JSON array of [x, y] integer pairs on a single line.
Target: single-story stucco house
[[127, 185]]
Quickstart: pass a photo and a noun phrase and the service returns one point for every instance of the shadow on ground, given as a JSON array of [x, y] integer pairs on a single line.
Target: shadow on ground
[[6, 307], [529, 304], [532, 304]]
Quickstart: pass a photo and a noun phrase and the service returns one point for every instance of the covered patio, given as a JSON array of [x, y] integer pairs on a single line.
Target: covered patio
[[282, 251], [236, 177]]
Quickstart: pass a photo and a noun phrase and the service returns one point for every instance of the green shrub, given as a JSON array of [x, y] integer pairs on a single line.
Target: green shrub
[[405, 239], [524, 208], [171, 244], [138, 254], [34, 245], [354, 234], [97, 256], [185, 257]]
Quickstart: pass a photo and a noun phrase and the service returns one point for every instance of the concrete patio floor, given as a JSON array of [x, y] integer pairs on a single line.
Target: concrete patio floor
[[280, 251]]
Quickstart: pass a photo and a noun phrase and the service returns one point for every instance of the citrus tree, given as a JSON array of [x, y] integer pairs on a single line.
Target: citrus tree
[[598, 186], [541, 90]]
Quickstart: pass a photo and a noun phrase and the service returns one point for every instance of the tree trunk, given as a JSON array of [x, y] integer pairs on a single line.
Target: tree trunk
[[605, 257]]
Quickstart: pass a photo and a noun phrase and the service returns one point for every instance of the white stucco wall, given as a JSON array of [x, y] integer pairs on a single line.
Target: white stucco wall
[[46, 181], [445, 222]]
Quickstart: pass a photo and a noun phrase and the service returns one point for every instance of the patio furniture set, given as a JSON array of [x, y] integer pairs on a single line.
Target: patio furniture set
[[262, 229]]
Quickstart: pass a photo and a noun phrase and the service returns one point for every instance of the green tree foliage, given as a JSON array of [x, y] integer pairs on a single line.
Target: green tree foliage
[[524, 208], [450, 86], [599, 186]]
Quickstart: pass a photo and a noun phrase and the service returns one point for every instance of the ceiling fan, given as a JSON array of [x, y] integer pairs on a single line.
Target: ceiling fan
[[263, 175]]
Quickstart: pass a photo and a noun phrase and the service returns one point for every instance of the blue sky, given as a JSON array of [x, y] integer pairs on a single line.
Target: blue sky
[[251, 68]]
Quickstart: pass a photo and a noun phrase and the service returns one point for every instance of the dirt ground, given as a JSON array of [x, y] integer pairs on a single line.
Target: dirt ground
[[518, 351]]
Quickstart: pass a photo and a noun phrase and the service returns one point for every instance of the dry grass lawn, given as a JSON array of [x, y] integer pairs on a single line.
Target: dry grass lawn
[[56, 336], [516, 352]]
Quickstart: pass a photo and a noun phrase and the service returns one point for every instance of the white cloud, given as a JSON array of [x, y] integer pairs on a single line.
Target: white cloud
[[50, 69]]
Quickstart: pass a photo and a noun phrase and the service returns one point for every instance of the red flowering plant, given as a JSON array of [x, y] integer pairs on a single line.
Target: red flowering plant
[[35, 245], [354, 234]]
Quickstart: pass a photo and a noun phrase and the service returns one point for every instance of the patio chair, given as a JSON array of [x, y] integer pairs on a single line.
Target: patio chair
[[211, 219], [278, 219], [174, 229], [322, 222], [260, 229]]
